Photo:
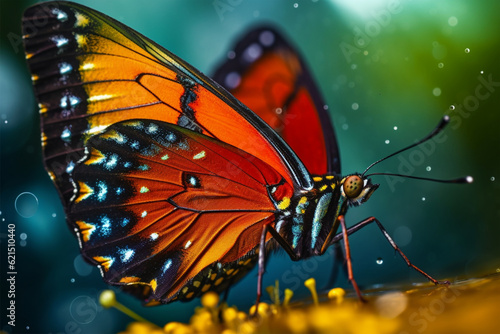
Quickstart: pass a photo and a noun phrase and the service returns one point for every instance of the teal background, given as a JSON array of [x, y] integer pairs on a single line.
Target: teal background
[[379, 64]]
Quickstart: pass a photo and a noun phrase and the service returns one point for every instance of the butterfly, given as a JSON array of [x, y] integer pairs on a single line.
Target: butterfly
[[172, 184]]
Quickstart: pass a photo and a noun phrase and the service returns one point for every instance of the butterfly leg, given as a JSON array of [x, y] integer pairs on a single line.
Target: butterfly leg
[[370, 220], [350, 275], [262, 251]]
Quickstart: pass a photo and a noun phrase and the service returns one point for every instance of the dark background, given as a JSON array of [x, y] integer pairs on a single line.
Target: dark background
[[379, 64]]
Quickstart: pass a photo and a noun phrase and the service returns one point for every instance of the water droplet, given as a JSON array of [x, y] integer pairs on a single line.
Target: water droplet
[[345, 126], [452, 21], [28, 328], [355, 106], [467, 50], [72, 280], [423, 199], [452, 107], [325, 107], [26, 204], [295, 5], [428, 168], [395, 128], [379, 261], [6, 121], [365, 53], [22, 243], [354, 66], [54, 215], [492, 178], [23, 236], [482, 72], [387, 141], [436, 91], [440, 65]]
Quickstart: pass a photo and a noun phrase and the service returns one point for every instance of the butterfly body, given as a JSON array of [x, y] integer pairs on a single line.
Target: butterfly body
[[172, 186]]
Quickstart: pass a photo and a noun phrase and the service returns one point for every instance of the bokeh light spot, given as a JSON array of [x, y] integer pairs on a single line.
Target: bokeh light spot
[[26, 204]]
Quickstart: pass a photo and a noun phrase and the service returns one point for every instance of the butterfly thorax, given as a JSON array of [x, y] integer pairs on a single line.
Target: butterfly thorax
[[311, 219]]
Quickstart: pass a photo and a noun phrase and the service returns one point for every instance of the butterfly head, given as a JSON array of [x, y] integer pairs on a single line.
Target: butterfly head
[[357, 189]]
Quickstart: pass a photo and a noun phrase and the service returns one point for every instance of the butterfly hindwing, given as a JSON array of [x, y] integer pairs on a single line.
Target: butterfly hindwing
[[90, 71], [156, 203], [269, 76]]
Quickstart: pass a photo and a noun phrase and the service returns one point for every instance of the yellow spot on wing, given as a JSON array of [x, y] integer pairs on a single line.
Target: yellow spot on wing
[[196, 284], [219, 281], [213, 276], [87, 66], [189, 295], [323, 187], [184, 289], [153, 284], [317, 178], [81, 40], [96, 157], [104, 261], [200, 155], [113, 134], [85, 192], [333, 185], [330, 177], [129, 279], [81, 20], [103, 97], [85, 229], [303, 200], [205, 288], [285, 203]]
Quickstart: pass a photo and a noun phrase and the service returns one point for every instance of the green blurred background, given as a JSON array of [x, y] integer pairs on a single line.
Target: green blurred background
[[389, 70]]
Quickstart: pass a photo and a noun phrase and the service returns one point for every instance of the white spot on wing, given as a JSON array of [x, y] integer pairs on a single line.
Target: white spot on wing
[[59, 40]]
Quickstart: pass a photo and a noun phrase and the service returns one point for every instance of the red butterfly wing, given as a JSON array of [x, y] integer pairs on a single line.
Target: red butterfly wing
[[90, 71], [156, 203], [268, 75]]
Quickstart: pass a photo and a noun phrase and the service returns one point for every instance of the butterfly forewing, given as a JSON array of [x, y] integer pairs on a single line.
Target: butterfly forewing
[[90, 71], [269, 76], [153, 206]]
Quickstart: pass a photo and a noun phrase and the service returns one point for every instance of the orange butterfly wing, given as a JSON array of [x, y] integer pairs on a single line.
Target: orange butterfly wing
[[90, 71], [158, 203], [91, 74], [268, 75]]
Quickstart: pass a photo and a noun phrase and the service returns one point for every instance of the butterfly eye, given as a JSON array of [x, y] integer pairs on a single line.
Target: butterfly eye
[[353, 185]]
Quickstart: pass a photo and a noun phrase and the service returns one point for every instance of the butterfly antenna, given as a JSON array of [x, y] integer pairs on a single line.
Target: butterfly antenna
[[465, 179], [444, 121]]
